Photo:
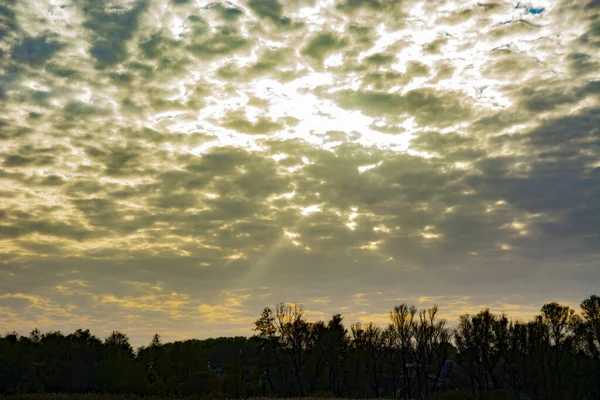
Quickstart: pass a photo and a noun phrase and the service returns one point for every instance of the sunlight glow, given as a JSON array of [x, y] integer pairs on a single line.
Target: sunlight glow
[[364, 168], [310, 209], [351, 217], [334, 60], [279, 156], [429, 234], [381, 228], [371, 245], [291, 234]]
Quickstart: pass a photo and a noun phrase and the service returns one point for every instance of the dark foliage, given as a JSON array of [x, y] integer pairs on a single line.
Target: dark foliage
[[554, 356]]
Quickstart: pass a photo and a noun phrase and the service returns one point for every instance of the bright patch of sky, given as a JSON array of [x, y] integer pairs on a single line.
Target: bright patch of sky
[[317, 115]]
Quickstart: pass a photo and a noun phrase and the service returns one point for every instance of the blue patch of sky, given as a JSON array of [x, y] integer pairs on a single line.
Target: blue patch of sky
[[531, 10]]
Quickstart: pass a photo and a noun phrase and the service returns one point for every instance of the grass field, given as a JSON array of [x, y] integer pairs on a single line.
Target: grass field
[[68, 396], [448, 395]]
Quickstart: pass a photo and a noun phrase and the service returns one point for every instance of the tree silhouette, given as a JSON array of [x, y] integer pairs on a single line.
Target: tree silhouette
[[294, 333], [403, 328], [555, 355]]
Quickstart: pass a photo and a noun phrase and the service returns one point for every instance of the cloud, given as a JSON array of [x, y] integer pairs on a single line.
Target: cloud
[[237, 121], [427, 106], [196, 162], [111, 28], [270, 9], [37, 50], [350, 5], [321, 45], [222, 42]]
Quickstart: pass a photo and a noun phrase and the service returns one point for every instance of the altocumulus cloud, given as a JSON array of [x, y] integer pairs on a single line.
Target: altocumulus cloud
[[178, 165]]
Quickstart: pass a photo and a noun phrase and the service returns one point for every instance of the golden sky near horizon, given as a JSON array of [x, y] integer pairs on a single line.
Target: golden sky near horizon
[[174, 166]]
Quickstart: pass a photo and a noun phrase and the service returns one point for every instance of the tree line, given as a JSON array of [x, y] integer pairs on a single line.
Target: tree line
[[555, 355]]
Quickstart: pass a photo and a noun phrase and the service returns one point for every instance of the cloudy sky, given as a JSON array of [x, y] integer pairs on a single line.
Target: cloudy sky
[[174, 166]]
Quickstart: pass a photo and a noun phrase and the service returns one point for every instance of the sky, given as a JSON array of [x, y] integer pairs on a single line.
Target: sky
[[175, 166]]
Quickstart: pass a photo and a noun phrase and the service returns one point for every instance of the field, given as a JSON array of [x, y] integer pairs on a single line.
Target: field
[[449, 395], [66, 396], [454, 396]]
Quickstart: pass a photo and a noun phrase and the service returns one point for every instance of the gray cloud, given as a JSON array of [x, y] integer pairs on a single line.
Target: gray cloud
[[111, 28], [37, 50], [322, 44], [426, 105], [237, 121], [270, 9]]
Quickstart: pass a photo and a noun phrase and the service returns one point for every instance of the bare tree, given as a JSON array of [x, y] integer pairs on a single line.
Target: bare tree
[[375, 341], [431, 345], [294, 333], [402, 326], [482, 342], [270, 344], [560, 321]]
